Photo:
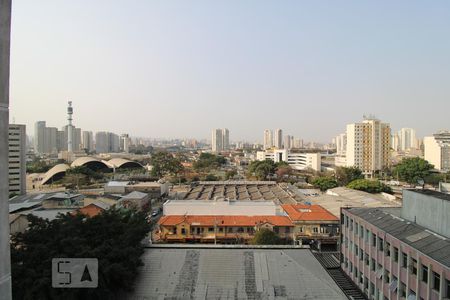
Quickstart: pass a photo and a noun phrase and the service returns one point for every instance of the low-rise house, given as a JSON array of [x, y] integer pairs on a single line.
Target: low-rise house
[[221, 229], [94, 208], [135, 200], [313, 225], [63, 200]]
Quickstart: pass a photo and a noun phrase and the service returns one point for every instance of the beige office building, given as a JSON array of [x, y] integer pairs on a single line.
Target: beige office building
[[437, 150]]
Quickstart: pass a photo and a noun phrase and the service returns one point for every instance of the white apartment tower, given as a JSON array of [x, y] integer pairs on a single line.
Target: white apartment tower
[[17, 159], [87, 141], [287, 142], [437, 150], [368, 145], [407, 139], [341, 144], [268, 139], [220, 140], [216, 140], [278, 139]]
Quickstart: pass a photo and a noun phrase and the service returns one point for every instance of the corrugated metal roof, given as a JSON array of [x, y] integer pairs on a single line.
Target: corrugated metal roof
[[433, 245]]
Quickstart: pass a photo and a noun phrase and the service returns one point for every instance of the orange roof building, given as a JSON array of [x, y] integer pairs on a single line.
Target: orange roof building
[[302, 212]]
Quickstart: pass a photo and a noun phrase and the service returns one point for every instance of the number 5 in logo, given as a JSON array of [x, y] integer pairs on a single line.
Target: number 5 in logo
[[64, 275]]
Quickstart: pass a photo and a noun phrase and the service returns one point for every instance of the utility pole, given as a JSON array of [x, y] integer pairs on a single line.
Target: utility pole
[[5, 256]]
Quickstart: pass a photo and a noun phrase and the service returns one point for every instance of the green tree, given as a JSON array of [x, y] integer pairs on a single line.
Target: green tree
[[412, 169], [324, 183], [261, 169], [208, 161], [113, 237], [211, 177], [230, 174], [164, 164], [369, 186], [345, 175], [265, 236]]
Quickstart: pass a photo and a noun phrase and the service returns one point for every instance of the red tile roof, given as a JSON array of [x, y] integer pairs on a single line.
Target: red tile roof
[[302, 212], [225, 220]]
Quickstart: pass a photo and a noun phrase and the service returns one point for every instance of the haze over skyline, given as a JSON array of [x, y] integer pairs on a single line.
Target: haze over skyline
[[180, 69]]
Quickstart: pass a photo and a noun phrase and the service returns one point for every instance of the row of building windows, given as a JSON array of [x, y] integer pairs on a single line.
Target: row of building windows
[[381, 245]]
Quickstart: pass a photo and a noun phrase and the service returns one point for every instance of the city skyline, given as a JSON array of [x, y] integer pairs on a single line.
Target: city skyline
[[181, 74]]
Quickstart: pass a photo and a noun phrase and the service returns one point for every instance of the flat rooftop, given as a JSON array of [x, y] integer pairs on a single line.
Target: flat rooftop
[[388, 219], [180, 273], [240, 190], [345, 197]]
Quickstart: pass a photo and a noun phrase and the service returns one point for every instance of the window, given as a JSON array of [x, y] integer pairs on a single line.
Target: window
[[183, 231], [447, 288], [356, 250], [366, 259], [386, 276], [351, 224], [361, 231], [394, 284], [395, 254], [346, 262], [174, 230], [436, 281], [374, 239], [287, 230], [402, 290], [387, 250], [220, 229], [356, 228], [380, 244], [210, 229], [372, 266], [366, 283], [351, 267], [404, 260], [367, 236], [414, 266], [425, 274], [315, 229], [230, 229]]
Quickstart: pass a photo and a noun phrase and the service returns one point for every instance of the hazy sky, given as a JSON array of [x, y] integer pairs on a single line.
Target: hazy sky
[[180, 68]]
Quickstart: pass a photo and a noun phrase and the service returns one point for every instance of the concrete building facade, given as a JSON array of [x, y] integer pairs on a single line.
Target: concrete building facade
[[437, 150], [407, 139], [17, 159], [220, 140], [5, 259], [299, 161], [278, 138], [392, 257]]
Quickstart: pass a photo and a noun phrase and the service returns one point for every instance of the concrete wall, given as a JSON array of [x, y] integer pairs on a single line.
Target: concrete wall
[[430, 212], [5, 35]]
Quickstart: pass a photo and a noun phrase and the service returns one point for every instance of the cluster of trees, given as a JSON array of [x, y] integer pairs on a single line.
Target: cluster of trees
[[412, 170], [266, 236], [261, 169], [40, 166], [369, 186], [164, 163], [113, 237], [208, 161]]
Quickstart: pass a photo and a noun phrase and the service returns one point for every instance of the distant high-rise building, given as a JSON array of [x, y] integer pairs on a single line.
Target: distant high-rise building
[[407, 139], [217, 140], [87, 141], [39, 137], [437, 150], [107, 142], [268, 139], [395, 142], [287, 142], [341, 144], [17, 158], [298, 143], [125, 143], [220, 140], [278, 139], [76, 138], [368, 145], [226, 139]]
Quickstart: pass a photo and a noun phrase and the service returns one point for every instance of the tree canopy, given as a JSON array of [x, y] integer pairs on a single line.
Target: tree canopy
[[164, 164], [412, 169], [369, 186], [208, 161], [113, 237], [345, 175], [265, 236], [262, 168], [324, 183]]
